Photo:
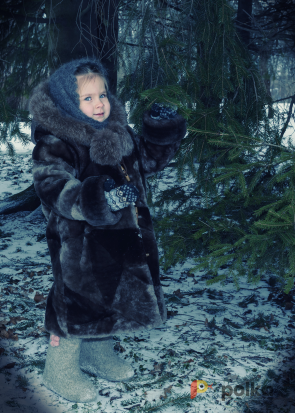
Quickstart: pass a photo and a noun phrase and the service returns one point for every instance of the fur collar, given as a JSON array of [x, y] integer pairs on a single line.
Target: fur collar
[[107, 146]]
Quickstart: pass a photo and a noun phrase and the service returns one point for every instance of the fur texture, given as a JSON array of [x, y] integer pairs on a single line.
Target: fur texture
[[162, 131], [105, 264], [107, 146]]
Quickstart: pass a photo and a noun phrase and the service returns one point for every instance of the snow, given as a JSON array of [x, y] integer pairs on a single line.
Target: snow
[[283, 108], [19, 147], [236, 349]]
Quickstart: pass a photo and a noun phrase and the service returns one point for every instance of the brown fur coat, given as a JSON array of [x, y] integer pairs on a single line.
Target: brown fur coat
[[105, 264]]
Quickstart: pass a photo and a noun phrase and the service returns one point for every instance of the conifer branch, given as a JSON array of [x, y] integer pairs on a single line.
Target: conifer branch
[[259, 142]]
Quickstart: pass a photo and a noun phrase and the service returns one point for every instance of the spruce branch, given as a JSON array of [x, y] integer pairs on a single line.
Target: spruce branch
[[180, 401]]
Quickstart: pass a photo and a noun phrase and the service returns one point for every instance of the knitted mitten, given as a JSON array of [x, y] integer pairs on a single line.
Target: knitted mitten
[[63, 375], [163, 111], [98, 357], [121, 197]]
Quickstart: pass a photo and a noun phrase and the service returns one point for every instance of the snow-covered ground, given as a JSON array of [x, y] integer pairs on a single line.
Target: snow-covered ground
[[240, 342]]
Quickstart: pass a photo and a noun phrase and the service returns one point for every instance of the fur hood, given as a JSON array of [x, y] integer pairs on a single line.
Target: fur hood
[[107, 146]]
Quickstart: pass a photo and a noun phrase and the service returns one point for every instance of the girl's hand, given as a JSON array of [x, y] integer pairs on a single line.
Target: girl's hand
[[54, 340]]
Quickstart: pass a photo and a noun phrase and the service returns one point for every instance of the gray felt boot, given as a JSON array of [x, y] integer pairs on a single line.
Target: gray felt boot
[[62, 373], [98, 357]]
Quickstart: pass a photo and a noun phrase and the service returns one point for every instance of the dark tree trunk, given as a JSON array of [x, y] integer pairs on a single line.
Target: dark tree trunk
[[26, 200], [263, 60], [244, 20], [80, 28], [107, 38], [72, 31]]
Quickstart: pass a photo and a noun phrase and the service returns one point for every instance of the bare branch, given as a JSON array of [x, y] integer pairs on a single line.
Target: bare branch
[[288, 117]]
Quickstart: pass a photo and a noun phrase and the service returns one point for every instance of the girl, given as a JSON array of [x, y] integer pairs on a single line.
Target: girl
[[89, 172]]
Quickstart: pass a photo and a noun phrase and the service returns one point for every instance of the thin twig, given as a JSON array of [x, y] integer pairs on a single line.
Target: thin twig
[[279, 100], [288, 118]]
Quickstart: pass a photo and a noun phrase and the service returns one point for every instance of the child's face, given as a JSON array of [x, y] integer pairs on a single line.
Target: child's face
[[93, 98]]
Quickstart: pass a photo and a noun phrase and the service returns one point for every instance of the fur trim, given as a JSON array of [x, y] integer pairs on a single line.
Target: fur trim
[[163, 131], [107, 146]]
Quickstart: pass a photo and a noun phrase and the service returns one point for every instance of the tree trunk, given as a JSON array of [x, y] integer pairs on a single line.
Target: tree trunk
[[72, 31], [263, 59], [244, 20], [26, 200], [107, 38], [80, 28]]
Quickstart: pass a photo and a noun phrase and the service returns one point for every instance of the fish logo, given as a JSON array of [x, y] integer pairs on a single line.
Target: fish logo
[[199, 386]]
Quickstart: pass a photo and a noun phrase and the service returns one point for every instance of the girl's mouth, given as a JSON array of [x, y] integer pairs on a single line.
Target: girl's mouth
[[98, 114]]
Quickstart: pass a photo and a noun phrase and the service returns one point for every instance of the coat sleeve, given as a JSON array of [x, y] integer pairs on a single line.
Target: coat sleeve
[[57, 185], [159, 142]]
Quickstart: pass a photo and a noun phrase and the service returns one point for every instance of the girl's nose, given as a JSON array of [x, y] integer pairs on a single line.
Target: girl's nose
[[98, 103]]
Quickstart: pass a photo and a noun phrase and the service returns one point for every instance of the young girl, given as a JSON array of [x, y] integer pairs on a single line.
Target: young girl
[[89, 172]]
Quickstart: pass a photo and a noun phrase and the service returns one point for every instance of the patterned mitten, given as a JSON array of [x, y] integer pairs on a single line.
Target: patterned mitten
[[121, 197], [160, 111]]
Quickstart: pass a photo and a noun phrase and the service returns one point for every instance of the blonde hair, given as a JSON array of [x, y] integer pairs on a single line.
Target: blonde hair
[[89, 71]]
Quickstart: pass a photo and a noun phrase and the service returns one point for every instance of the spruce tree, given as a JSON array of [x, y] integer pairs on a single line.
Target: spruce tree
[[23, 52], [231, 206]]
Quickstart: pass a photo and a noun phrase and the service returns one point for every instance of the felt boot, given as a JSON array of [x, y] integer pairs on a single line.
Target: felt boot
[[98, 357], [62, 373]]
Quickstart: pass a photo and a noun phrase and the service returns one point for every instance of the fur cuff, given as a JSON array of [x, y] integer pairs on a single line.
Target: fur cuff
[[163, 131]]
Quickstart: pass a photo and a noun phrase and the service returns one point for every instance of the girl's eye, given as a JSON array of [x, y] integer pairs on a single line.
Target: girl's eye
[[88, 98], [103, 96]]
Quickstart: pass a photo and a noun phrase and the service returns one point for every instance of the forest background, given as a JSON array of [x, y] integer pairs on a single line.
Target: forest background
[[225, 65]]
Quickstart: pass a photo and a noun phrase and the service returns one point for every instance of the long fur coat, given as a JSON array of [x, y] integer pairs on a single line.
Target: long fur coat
[[105, 264]]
